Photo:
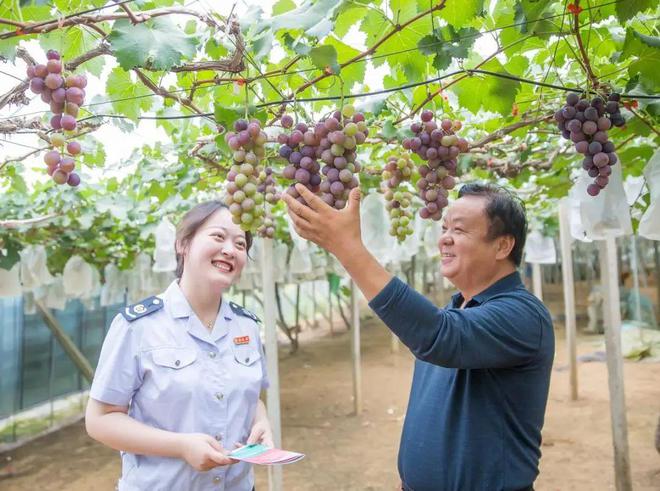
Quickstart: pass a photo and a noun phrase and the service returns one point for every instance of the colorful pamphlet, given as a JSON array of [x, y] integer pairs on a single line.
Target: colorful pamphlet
[[262, 455]]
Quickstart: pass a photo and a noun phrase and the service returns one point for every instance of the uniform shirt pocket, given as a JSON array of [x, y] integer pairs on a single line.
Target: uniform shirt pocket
[[246, 355], [172, 374], [175, 358]]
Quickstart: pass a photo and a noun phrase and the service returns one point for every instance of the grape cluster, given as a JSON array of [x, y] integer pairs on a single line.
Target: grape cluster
[[440, 147], [245, 202], [340, 135], [397, 172], [333, 141], [586, 124], [266, 187], [300, 150], [65, 94]]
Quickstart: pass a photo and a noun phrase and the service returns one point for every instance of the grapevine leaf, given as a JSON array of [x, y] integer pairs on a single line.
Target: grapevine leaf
[[324, 56], [447, 43], [628, 9], [459, 14], [158, 44]]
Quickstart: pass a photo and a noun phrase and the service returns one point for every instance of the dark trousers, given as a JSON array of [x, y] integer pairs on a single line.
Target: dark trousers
[[408, 488]]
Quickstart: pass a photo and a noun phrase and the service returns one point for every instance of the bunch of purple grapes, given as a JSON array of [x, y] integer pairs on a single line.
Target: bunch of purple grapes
[[440, 147], [586, 124], [243, 197], [397, 172], [65, 94], [340, 134], [300, 150]]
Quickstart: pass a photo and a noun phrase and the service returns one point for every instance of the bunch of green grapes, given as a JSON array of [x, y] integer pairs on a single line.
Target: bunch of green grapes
[[243, 199], [396, 176]]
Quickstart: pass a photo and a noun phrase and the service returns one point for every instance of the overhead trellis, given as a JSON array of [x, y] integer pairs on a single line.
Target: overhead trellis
[[502, 68]]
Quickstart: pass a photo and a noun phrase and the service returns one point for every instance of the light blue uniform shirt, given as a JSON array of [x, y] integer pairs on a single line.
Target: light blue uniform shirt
[[176, 375]]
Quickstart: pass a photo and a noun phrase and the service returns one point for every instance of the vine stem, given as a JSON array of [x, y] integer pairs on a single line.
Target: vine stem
[[458, 79], [593, 81], [29, 221], [397, 28]]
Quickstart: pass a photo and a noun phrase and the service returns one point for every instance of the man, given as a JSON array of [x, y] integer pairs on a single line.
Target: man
[[482, 368]]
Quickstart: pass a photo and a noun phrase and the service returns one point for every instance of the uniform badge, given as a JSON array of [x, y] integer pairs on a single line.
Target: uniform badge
[[242, 340]]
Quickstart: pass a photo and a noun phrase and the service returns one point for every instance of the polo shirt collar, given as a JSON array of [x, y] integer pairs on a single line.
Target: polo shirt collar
[[505, 284]]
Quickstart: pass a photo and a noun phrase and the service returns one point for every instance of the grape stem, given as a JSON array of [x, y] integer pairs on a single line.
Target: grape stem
[[593, 81], [496, 135], [10, 224]]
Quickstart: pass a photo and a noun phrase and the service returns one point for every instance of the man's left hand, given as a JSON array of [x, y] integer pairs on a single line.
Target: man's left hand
[[337, 231]]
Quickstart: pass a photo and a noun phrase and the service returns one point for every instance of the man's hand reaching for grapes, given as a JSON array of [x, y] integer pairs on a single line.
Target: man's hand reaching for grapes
[[337, 231]]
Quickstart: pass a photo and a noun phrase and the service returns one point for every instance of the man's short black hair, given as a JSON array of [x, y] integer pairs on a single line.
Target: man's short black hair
[[506, 214]]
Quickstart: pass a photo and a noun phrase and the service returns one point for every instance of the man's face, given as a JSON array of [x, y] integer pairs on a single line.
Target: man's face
[[467, 252]]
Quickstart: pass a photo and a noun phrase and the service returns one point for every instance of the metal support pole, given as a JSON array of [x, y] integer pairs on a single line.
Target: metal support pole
[[615, 368], [272, 365], [355, 349], [569, 295]]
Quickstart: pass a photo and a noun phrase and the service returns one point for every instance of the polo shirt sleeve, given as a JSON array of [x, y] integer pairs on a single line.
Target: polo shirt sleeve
[[505, 331], [118, 375]]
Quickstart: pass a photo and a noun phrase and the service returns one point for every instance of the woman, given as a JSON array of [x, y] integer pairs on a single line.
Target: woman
[[178, 381]]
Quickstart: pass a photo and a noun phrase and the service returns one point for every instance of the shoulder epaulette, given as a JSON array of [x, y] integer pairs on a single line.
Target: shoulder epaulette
[[238, 310], [142, 308]]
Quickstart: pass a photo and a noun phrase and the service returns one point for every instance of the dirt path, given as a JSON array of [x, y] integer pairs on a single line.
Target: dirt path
[[359, 453]]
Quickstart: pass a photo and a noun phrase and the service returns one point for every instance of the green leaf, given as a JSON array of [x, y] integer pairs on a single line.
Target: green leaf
[[324, 56], [157, 44], [490, 92], [283, 6], [647, 51], [627, 9], [347, 19], [9, 253], [402, 10], [460, 13], [530, 12], [312, 17], [446, 43], [120, 85]]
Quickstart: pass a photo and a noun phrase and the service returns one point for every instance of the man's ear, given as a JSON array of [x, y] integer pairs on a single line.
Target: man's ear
[[505, 245]]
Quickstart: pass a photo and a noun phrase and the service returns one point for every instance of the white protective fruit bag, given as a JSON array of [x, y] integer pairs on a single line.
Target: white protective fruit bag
[[573, 202], [164, 252], [431, 239], [55, 297], [649, 225], [34, 271], [607, 215], [300, 262], [78, 278], [113, 290], [10, 283], [374, 225], [540, 249]]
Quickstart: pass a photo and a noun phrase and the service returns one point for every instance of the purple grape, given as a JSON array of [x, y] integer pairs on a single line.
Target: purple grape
[[593, 189]]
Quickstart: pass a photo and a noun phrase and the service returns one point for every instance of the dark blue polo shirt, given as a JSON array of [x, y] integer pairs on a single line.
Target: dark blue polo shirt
[[479, 388]]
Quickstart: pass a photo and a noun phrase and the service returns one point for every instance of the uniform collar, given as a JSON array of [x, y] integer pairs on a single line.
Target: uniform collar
[[176, 301], [505, 284]]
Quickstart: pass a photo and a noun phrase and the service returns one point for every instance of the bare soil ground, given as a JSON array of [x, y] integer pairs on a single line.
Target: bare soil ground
[[345, 452]]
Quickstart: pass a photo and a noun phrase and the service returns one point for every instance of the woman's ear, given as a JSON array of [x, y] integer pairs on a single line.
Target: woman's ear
[[180, 248]]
